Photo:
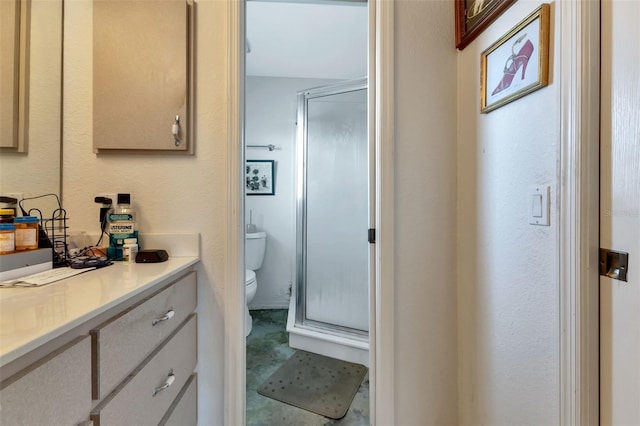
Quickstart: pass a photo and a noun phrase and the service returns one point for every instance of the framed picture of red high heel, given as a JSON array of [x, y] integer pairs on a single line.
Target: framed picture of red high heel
[[518, 63], [473, 16]]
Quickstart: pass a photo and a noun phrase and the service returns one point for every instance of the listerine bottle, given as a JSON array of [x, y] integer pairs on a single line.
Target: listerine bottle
[[122, 226]]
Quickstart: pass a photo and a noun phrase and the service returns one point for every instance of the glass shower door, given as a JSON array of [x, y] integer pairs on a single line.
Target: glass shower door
[[333, 208]]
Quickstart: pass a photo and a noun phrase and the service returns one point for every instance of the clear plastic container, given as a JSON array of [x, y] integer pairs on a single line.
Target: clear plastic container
[[26, 232], [7, 238]]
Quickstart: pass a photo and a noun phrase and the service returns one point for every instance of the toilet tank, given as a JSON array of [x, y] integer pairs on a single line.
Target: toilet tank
[[255, 243]]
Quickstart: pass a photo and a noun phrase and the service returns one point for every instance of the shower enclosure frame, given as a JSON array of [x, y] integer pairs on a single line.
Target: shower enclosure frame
[[329, 339]]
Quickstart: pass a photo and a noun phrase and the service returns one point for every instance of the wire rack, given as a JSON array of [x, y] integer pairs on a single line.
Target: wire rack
[[52, 230], [56, 229]]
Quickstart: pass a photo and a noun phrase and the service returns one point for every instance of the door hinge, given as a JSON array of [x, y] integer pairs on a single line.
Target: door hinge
[[614, 264], [372, 236]]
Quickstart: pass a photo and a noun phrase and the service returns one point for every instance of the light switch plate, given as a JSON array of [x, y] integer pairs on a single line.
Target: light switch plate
[[538, 205]]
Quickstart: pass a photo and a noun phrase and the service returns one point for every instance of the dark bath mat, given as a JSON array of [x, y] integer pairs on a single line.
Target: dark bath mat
[[315, 383]]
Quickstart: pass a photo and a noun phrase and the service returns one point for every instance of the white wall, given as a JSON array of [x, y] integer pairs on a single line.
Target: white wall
[[271, 105], [425, 214], [508, 292], [172, 193]]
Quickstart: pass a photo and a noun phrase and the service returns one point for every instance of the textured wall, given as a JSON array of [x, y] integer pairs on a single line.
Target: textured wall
[[507, 269], [172, 193], [425, 213]]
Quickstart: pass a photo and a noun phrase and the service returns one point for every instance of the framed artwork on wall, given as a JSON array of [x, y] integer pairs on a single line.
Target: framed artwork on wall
[[259, 177], [518, 63], [473, 16]]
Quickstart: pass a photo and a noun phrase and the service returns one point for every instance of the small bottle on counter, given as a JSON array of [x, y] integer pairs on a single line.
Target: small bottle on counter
[[130, 249], [7, 238], [26, 232]]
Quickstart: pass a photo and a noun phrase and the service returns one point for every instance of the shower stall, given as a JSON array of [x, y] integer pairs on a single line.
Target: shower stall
[[329, 310]]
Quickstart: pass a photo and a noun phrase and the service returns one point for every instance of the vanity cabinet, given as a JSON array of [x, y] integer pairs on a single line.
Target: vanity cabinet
[[56, 387], [147, 394], [132, 364], [143, 75], [139, 329], [184, 411]]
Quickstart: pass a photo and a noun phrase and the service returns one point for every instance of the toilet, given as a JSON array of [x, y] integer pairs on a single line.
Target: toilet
[[255, 243]]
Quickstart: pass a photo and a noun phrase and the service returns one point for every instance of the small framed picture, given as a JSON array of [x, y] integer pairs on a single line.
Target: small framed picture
[[518, 63], [259, 177], [473, 16]]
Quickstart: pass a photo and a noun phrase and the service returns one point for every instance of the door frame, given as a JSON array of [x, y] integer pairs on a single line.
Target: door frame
[[578, 206], [382, 298]]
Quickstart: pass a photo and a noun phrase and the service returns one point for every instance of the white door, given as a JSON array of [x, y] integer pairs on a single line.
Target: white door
[[620, 211]]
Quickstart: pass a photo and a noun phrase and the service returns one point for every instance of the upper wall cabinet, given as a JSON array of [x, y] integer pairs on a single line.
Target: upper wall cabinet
[[143, 75], [14, 74]]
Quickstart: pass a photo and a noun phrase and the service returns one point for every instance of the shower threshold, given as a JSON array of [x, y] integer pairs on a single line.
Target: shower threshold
[[334, 343]]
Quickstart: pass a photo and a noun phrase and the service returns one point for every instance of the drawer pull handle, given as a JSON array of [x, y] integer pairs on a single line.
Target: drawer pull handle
[[170, 379], [170, 313]]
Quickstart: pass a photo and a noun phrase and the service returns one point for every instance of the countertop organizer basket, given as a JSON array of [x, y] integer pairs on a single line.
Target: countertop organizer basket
[[52, 231]]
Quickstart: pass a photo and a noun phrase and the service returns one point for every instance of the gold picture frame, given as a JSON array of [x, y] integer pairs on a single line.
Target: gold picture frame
[[518, 63]]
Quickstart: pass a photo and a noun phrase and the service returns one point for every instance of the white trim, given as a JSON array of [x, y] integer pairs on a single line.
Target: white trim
[[234, 299], [578, 211], [373, 170], [383, 343]]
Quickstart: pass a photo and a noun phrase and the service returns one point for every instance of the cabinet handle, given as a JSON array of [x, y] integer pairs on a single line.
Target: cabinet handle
[[170, 313], [175, 130], [170, 379]]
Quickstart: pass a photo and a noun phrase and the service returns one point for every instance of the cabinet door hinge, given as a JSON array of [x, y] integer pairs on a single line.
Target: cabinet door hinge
[[372, 236]]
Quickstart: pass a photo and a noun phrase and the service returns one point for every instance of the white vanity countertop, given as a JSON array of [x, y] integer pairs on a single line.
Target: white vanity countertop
[[30, 317]]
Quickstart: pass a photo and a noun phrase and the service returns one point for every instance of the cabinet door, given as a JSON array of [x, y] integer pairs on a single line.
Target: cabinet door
[[14, 73], [53, 391], [142, 75]]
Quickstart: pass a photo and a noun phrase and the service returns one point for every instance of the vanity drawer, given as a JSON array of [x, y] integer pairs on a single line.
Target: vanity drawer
[[184, 410], [54, 390], [120, 344], [134, 402]]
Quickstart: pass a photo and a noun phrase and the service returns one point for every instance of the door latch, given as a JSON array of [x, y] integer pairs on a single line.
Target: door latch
[[614, 264]]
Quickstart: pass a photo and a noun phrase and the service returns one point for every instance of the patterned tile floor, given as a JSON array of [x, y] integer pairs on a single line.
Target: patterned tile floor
[[267, 349]]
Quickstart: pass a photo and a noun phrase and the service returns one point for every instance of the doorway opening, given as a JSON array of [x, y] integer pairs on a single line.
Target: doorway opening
[[292, 47]]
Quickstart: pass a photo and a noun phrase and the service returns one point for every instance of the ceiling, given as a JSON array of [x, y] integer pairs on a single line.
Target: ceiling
[[319, 39]]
